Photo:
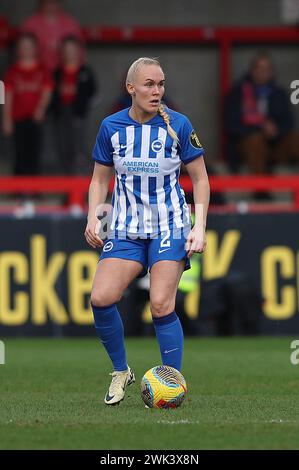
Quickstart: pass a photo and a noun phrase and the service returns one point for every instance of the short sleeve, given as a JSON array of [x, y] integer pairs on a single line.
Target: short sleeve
[[103, 152], [190, 146]]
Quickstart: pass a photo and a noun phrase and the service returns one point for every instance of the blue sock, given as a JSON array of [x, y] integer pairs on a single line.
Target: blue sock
[[110, 330], [170, 337]]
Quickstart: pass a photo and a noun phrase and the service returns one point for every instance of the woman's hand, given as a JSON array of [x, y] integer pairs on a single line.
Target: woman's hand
[[8, 127], [196, 241], [92, 233], [39, 115]]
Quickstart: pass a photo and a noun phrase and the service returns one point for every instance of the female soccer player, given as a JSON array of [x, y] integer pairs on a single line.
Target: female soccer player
[[150, 222]]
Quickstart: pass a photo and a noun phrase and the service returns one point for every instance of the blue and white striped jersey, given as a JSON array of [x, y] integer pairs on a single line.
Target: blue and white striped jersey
[[147, 198]]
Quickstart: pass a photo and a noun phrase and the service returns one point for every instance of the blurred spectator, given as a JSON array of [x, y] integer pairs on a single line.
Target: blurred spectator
[[259, 121], [28, 89], [4, 31], [50, 25], [74, 86]]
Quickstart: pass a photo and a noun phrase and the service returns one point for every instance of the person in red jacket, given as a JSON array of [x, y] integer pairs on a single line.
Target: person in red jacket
[[28, 90], [75, 85], [50, 24]]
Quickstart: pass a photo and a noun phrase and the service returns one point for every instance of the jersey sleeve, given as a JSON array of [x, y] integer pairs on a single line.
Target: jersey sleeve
[[103, 152], [190, 146]]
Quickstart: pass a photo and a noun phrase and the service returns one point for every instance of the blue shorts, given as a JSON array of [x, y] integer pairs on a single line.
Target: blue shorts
[[147, 251]]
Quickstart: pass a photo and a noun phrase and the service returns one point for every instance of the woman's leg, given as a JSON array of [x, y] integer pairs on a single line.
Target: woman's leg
[[66, 147], [112, 277], [255, 150], [27, 145], [165, 277], [34, 147], [21, 148]]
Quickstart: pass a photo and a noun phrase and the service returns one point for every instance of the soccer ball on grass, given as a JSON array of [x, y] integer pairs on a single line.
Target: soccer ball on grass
[[163, 387]]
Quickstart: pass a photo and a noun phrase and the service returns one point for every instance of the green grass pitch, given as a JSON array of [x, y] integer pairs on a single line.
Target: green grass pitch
[[243, 394]]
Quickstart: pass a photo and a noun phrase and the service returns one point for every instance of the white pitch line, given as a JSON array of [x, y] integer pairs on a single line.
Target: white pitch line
[[181, 421], [282, 421]]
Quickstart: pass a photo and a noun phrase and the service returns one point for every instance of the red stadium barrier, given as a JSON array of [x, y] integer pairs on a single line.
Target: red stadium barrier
[[76, 187]]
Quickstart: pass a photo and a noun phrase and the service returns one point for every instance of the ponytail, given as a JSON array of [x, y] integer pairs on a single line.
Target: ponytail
[[166, 119]]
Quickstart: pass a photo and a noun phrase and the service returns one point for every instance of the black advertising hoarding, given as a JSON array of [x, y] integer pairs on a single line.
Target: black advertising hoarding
[[261, 250], [46, 271]]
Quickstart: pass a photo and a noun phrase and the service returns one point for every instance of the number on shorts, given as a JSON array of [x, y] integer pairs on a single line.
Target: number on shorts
[[165, 242]]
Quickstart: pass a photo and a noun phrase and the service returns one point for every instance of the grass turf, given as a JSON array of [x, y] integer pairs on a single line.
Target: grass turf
[[243, 394]]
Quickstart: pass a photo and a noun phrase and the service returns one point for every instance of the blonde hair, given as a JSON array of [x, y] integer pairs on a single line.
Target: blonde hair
[[161, 110]]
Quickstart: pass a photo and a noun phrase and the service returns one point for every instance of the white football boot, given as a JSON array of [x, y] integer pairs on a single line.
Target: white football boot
[[120, 380]]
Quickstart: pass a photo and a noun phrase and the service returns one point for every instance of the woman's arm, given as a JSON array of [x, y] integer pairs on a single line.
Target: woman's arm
[[7, 114], [196, 241], [97, 195], [40, 112]]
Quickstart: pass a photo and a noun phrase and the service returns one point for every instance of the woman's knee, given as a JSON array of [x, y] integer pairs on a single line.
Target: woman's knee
[[161, 306], [103, 298]]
